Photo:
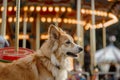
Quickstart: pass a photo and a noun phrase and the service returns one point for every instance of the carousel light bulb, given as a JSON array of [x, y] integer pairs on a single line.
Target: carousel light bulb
[[26, 19], [59, 20], [21, 19], [32, 8], [54, 19], [44, 8], [87, 11], [63, 9], [105, 14], [49, 19], [83, 11], [2, 8], [65, 20], [43, 19], [14, 19], [10, 8], [15, 8], [69, 21], [25, 8], [31, 19], [50, 8], [10, 19], [98, 13], [7, 37], [57, 9], [69, 9], [38, 8], [73, 21], [99, 25], [0, 20]]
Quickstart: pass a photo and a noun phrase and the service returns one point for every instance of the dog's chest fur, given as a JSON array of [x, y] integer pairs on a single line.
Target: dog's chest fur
[[62, 65]]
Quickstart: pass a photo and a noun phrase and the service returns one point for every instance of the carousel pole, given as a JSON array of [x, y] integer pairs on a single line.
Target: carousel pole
[[56, 23], [79, 30], [24, 29], [92, 37], [57, 16], [3, 28], [17, 25], [38, 32], [104, 35]]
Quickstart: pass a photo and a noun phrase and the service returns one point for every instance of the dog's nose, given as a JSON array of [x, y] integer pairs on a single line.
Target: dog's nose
[[80, 49]]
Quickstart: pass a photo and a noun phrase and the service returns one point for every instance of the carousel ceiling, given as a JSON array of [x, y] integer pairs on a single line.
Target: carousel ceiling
[[64, 12]]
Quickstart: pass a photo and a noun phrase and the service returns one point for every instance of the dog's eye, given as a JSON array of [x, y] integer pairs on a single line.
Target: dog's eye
[[68, 42]]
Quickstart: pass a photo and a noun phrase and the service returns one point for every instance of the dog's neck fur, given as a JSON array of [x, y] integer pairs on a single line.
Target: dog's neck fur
[[57, 60]]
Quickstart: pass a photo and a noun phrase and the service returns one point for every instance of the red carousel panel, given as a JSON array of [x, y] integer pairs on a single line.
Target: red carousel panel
[[9, 53]]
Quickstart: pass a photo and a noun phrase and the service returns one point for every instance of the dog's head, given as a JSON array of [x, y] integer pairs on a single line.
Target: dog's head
[[62, 43]]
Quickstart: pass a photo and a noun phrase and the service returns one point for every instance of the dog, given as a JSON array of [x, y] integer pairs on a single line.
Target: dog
[[48, 63]]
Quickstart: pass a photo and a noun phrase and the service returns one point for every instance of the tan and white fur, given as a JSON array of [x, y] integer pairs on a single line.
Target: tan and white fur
[[49, 63]]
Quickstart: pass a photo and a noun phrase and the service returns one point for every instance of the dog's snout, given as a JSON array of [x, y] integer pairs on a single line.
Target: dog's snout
[[80, 49]]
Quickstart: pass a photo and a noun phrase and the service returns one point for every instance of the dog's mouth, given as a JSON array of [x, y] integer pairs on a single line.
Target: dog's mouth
[[71, 54]]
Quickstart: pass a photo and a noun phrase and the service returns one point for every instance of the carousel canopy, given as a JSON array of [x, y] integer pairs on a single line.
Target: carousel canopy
[[108, 55]]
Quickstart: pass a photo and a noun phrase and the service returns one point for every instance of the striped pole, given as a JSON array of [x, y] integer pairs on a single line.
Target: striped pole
[[24, 29], [17, 25], [38, 32], [79, 30], [92, 37], [3, 28]]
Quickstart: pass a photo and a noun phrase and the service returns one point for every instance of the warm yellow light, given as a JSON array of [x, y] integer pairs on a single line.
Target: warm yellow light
[[73, 21], [59, 20], [10, 19], [49, 19], [75, 38], [65, 20], [63, 9], [7, 37], [2, 8], [14, 19], [83, 11], [111, 16], [21, 36], [32, 8], [69, 21], [10, 8], [87, 26], [100, 25], [57, 9], [31, 19], [0, 20], [69, 9], [87, 11], [50, 8], [110, 0], [26, 19], [105, 14], [38, 8], [21, 19], [54, 19], [43, 19], [90, 12], [44, 8], [25, 8], [15, 8], [44, 36]]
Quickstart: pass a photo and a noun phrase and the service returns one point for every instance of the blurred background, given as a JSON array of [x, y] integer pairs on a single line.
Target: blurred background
[[94, 24], [66, 12]]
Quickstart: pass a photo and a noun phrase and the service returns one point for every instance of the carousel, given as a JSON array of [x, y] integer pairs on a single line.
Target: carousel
[[24, 23]]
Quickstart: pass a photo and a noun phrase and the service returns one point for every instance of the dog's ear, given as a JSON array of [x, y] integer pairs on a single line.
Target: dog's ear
[[53, 32]]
